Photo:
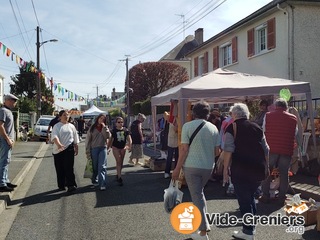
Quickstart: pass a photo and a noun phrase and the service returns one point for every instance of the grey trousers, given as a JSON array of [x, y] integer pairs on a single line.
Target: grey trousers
[[282, 162], [196, 179]]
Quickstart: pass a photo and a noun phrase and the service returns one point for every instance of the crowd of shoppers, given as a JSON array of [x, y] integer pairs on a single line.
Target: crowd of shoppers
[[251, 150]]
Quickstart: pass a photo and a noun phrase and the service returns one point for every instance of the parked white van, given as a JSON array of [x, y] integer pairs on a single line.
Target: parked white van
[[41, 126]]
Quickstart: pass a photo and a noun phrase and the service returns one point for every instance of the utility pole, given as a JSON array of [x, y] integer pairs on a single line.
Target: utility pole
[[128, 88], [38, 78], [38, 75], [97, 96]]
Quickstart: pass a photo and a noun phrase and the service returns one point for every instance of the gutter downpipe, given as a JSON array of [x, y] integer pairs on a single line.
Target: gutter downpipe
[[290, 25]]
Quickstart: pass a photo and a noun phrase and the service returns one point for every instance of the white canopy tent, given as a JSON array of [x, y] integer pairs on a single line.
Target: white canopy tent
[[93, 111], [222, 86]]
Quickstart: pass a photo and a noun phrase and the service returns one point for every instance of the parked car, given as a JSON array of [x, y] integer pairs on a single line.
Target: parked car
[[41, 126]]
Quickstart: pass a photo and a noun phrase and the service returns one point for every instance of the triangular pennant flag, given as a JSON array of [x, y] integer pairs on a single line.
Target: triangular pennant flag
[[4, 49], [18, 59], [8, 52]]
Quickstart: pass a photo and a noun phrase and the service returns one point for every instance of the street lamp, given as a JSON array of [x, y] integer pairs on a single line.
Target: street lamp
[[39, 44]]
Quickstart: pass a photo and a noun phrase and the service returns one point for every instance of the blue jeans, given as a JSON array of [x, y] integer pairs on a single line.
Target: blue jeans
[[282, 162], [245, 195], [99, 165], [171, 151], [5, 157]]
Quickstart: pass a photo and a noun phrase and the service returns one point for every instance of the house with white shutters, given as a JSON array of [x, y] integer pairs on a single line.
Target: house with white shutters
[[281, 39]]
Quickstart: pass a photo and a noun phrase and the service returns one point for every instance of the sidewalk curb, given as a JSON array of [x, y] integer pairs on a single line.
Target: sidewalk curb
[[6, 197]]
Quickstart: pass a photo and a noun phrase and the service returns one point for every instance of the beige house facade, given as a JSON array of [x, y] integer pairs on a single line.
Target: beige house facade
[[279, 40]]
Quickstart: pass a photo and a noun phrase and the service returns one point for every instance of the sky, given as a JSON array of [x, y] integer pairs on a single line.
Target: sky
[[95, 37]]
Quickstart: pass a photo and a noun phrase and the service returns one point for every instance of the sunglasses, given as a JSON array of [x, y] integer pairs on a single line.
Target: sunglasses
[[119, 122]]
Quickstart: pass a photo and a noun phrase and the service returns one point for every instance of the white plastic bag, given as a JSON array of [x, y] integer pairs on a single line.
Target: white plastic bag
[[172, 196]]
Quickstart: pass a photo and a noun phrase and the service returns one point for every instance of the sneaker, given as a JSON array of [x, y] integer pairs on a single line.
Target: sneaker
[[102, 188], [120, 182], [241, 235], [6, 189], [166, 175], [72, 188], [137, 164], [95, 184], [11, 185], [196, 236]]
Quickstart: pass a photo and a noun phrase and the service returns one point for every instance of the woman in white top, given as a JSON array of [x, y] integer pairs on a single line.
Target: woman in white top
[[65, 138]]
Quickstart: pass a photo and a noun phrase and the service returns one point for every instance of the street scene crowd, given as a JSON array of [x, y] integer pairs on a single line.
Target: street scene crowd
[[248, 149]]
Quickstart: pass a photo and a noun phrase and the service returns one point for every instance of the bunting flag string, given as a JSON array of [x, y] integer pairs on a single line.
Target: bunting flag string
[[61, 92], [28, 67], [9, 53], [110, 103]]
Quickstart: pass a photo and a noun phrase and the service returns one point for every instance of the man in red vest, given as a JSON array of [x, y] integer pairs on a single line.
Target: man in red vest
[[280, 129]]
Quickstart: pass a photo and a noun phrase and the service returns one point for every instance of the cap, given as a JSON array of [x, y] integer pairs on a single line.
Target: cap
[[10, 96]]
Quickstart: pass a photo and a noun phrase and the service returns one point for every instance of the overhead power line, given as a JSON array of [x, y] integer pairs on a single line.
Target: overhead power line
[[193, 19], [17, 22]]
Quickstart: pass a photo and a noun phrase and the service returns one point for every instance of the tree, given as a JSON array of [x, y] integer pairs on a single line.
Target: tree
[[151, 78], [25, 85]]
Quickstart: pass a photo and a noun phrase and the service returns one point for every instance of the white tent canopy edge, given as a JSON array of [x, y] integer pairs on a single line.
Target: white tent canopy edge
[[93, 111], [222, 85]]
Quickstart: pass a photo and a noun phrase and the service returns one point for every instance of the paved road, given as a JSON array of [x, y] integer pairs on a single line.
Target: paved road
[[134, 211]]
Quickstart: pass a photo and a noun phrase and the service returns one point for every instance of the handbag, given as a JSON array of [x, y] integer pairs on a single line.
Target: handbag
[[172, 196], [88, 170]]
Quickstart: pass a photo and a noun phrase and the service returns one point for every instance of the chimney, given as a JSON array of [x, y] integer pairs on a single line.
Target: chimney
[[198, 34]]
